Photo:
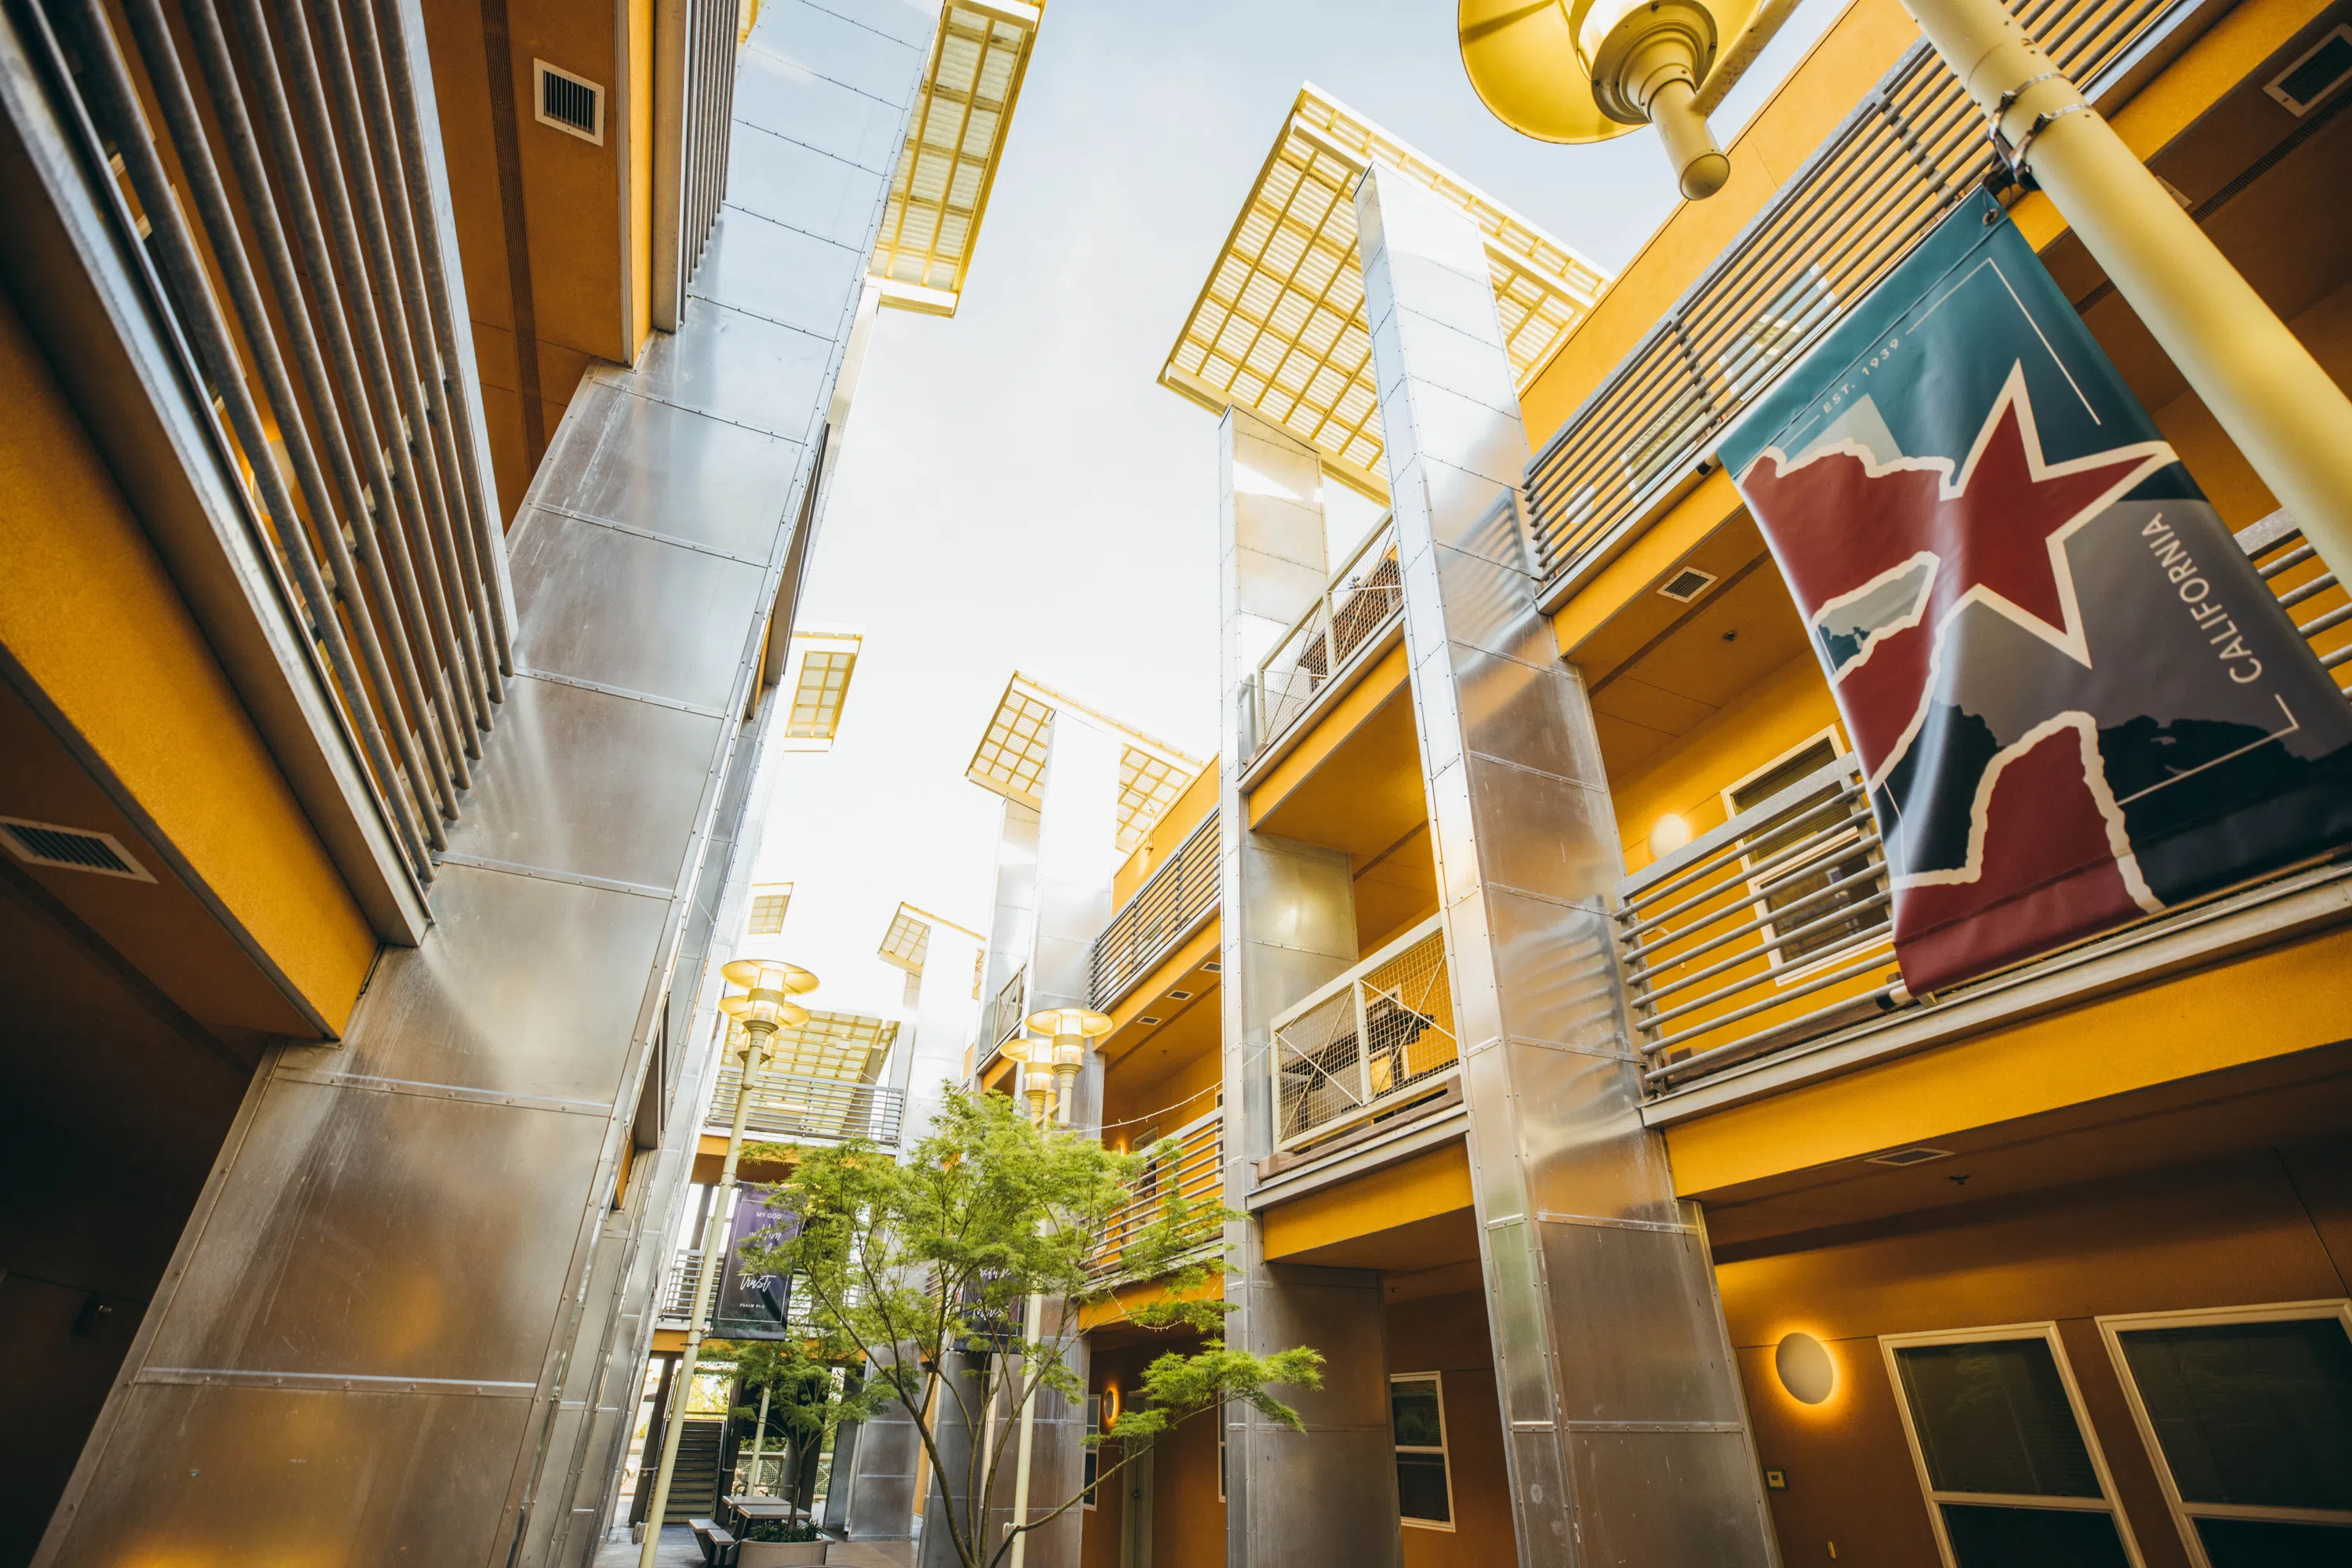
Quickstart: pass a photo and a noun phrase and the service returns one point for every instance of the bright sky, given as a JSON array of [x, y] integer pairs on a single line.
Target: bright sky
[[1017, 491]]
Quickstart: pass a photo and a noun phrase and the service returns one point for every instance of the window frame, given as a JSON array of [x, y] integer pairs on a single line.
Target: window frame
[[2108, 1502], [1090, 1455], [1788, 970], [1443, 1450], [2112, 1326]]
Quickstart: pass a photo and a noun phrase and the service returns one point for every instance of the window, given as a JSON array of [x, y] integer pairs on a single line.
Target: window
[[769, 901], [1093, 1464], [2014, 1476], [1815, 882], [1417, 1415], [2248, 1413]]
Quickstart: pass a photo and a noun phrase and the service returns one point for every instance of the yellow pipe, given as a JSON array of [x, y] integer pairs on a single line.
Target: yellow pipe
[[2291, 421]]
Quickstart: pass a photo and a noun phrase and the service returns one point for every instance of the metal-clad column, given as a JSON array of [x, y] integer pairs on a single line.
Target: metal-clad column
[[1627, 1436], [879, 1502], [1324, 1498]]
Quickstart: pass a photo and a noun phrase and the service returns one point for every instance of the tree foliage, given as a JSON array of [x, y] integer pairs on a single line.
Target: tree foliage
[[976, 1255]]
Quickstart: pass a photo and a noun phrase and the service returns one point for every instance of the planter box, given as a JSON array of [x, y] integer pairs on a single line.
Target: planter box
[[779, 1554]]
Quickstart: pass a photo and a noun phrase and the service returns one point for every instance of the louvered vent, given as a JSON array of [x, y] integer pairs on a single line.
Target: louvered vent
[[1687, 584], [1918, 1155], [572, 104], [2323, 69], [69, 848]]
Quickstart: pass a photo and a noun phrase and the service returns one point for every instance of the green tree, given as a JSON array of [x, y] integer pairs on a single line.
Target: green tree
[[976, 1253], [802, 1378]]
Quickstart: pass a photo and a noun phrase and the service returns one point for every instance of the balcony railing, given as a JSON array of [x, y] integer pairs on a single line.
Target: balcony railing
[[787, 1106], [1175, 902], [676, 1298], [1775, 928], [1195, 1172], [1006, 1013], [1914, 148], [1376, 1039], [1359, 604]]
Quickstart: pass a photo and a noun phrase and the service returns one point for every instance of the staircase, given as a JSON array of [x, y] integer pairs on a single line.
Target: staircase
[[694, 1486]]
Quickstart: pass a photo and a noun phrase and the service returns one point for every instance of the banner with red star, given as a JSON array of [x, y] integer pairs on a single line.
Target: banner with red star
[[2075, 701]]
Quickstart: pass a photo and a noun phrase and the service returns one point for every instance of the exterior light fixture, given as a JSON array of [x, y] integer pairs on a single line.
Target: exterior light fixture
[[1074, 1031], [766, 1005], [1670, 834], [1805, 1368], [1586, 70]]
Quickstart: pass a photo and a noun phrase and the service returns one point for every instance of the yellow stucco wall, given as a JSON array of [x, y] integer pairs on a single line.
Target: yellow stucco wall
[[88, 610]]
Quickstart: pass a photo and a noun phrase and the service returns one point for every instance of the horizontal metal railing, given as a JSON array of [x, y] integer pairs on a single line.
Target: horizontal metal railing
[[1906, 155], [276, 175], [676, 1298], [1174, 903], [1195, 1172], [1359, 601], [1368, 1042], [786, 1105], [1775, 928]]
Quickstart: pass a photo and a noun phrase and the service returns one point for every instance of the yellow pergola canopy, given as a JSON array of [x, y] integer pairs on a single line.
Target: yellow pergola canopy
[[1279, 326], [1010, 758]]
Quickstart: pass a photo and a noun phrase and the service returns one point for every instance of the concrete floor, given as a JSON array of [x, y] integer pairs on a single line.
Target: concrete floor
[[679, 1551]]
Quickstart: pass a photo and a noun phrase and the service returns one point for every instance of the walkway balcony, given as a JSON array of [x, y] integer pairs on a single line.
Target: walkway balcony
[[1171, 907], [1195, 1174], [790, 1106], [1372, 1044], [1357, 612], [1772, 932]]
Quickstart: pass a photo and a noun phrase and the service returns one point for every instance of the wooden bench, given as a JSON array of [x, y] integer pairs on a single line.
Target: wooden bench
[[717, 1542]]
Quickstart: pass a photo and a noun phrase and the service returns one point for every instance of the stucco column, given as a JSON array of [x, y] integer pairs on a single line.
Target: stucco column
[[1326, 1497], [1626, 1433]]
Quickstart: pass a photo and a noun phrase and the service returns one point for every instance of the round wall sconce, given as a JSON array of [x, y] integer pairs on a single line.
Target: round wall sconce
[[1805, 1368], [1670, 835]]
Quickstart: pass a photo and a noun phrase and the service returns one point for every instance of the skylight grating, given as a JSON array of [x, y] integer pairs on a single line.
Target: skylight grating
[[817, 700], [1011, 759], [907, 941], [769, 903]]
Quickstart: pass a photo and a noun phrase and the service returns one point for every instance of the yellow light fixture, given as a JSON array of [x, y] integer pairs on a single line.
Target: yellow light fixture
[[1586, 70], [1037, 1082], [1669, 834], [1805, 1368], [768, 986], [1074, 1031]]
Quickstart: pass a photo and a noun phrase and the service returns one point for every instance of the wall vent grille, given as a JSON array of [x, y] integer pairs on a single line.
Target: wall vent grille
[[71, 848], [1687, 584], [2326, 66], [1916, 1155], [572, 104]]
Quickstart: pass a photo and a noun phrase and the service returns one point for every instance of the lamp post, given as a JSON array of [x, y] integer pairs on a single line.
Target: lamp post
[[1583, 70], [1074, 1031], [765, 1006]]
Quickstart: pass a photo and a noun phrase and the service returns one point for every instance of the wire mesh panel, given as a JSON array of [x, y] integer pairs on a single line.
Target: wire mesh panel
[[1371, 1041], [1912, 150], [1008, 1012], [1360, 603]]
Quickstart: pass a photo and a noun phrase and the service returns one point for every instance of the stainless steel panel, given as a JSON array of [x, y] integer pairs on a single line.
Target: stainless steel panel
[[1488, 607], [1530, 713], [853, 53], [789, 182], [1538, 1466], [263, 1474], [377, 1234], [634, 612], [765, 268], [1435, 715], [791, 100], [741, 369], [459, 1011], [1326, 1496], [592, 784], [1539, 832], [1673, 1364], [1579, 1139], [1460, 505], [1517, 1310], [1293, 1304], [1442, 354], [657, 467], [1671, 1500], [1552, 965], [1288, 889]]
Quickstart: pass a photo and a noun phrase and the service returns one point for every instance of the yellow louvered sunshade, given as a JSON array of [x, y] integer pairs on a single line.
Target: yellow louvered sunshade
[[953, 142], [1010, 758], [1279, 328], [908, 940]]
